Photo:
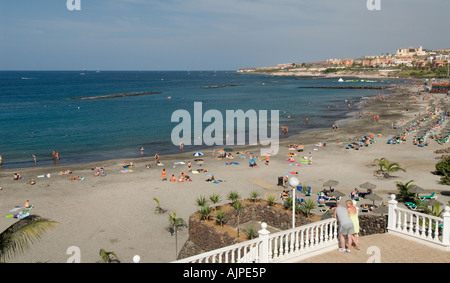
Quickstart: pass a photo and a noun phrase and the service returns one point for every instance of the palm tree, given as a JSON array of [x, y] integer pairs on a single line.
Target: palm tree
[[19, 236], [174, 224], [233, 196], [220, 216], [201, 201], [254, 195], [404, 193], [215, 198], [108, 257], [205, 212], [238, 207], [388, 167], [159, 209], [271, 200]]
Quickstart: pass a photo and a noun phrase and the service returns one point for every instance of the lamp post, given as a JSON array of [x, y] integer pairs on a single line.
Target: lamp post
[[293, 181]]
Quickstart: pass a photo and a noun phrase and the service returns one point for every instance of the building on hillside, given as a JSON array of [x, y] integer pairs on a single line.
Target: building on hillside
[[411, 51]]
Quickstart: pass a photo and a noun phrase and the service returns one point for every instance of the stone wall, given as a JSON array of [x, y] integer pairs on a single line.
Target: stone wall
[[205, 236], [370, 224]]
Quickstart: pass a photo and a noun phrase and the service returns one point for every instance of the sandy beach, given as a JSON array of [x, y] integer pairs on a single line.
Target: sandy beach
[[116, 212]]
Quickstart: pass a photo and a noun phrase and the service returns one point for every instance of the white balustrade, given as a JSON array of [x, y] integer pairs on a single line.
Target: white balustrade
[[322, 236], [277, 247]]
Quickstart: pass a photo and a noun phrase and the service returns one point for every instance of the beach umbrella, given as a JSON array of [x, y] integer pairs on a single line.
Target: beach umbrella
[[330, 183], [432, 202], [336, 194], [368, 185], [381, 210], [418, 190], [373, 197], [227, 149], [198, 154]]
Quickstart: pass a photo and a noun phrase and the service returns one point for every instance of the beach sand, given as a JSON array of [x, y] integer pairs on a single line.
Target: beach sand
[[117, 212]]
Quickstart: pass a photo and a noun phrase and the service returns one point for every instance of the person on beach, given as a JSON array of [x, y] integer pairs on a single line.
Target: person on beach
[[164, 176], [345, 227], [27, 204], [181, 146], [142, 151], [1, 160], [353, 214], [34, 157], [189, 165], [156, 159], [173, 179], [267, 159]]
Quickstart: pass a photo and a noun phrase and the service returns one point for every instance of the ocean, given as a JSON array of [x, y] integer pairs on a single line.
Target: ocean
[[40, 111]]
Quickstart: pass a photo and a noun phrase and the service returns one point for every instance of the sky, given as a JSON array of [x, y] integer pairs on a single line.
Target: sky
[[210, 34]]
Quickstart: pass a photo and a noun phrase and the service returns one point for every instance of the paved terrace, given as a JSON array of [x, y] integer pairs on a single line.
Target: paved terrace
[[385, 248]]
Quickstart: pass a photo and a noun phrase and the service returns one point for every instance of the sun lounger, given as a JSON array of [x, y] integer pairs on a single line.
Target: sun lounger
[[411, 205], [432, 196]]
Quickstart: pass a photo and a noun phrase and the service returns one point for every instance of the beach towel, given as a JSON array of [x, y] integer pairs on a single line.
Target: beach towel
[[15, 209], [234, 163]]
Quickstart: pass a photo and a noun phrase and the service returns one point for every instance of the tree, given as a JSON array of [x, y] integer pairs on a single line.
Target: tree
[[220, 216], [159, 209], [307, 207], [254, 195], [233, 196], [404, 193], [271, 200], [201, 201], [174, 223], [19, 236], [215, 198], [238, 207], [388, 167], [205, 212], [443, 169], [108, 257]]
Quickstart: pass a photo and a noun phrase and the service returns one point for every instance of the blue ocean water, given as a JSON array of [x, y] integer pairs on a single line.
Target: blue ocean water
[[38, 114]]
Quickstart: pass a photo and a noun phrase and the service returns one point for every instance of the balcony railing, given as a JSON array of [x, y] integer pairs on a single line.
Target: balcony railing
[[315, 238]]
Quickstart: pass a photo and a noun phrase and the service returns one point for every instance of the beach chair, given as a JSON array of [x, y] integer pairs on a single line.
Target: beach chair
[[411, 205], [308, 193], [432, 196]]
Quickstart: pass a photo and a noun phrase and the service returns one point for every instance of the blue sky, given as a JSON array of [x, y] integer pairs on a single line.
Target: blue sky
[[210, 34]]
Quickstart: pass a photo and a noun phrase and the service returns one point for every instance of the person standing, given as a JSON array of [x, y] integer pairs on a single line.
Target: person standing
[[34, 157], [353, 214], [156, 159], [181, 146], [142, 151], [345, 227], [164, 176]]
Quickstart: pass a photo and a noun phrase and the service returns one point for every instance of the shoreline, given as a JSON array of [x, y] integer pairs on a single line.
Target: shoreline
[[116, 212]]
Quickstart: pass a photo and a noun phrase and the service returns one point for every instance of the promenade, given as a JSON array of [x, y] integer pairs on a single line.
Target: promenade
[[384, 248]]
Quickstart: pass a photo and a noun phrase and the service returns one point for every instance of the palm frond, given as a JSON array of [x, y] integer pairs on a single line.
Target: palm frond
[[22, 234]]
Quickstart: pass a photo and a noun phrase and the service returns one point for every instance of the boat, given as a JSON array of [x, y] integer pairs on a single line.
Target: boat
[[340, 80]]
